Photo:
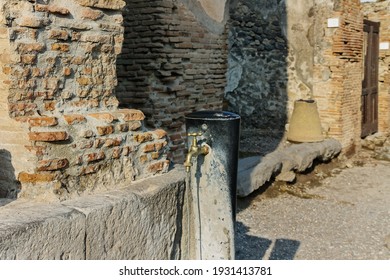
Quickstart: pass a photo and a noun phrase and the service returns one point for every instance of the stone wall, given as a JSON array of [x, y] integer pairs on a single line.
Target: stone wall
[[141, 221], [270, 60], [64, 133], [379, 11], [173, 62], [281, 51], [338, 70]]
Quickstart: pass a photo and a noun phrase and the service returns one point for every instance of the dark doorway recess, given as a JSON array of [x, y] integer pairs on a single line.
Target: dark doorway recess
[[370, 80]]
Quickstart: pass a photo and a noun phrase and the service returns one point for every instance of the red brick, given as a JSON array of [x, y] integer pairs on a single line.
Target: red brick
[[135, 125], [63, 47], [129, 115], [73, 119], [50, 105], [42, 121], [94, 156], [28, 58], [143, 137], [90, 169], [48, 136], [84, 81], [86, 144], [67, 71], [30, 47], [58, 34], [57, 10], [25, 177], [104, 130], [155, 155], [41, 8], [107, 117], [143, 159], [159, 133], [110, 142], [37, 150], [52, 164], [126, 150], [149, 148], [116, 152], [158, 166]]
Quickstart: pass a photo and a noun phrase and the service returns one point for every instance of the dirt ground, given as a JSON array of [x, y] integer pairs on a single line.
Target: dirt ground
[[337, 210]]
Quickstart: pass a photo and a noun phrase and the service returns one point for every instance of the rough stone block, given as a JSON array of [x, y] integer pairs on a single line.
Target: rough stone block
[[137, 222], [87, 13], [282, 164], [33, 231], [29, 21]]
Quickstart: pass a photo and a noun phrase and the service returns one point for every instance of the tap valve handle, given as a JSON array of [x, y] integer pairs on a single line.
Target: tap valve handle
[[194, 135]]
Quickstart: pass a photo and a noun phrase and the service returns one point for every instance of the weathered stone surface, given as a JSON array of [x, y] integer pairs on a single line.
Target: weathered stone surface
[[33, 231], [375, 140], [139, 222], [256, 171]]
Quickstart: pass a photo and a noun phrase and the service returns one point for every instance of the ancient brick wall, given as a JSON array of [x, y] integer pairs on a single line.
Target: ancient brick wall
[[173, 62], [58, 80], [338, 70], [379, 12]]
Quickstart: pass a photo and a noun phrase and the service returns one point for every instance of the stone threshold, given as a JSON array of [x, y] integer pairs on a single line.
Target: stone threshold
[[283, 164]]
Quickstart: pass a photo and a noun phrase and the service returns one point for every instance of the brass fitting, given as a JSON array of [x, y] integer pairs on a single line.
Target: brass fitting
[[194, 150]]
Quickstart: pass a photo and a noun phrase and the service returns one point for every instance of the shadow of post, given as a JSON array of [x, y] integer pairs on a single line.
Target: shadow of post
[[9, 185], [249, 247]]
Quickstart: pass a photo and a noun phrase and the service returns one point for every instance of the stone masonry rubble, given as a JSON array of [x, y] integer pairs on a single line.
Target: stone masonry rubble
[[59, 76]]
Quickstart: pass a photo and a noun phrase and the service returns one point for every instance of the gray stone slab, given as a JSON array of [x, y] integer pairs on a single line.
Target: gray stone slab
[[295, 158], [37, 231], [141, 221]]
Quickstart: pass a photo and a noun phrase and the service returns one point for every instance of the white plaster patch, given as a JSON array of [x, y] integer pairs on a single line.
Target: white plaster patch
[[333, 22], [214, 8]]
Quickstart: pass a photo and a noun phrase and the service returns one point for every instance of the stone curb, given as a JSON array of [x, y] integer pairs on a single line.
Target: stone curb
[[254, 172]]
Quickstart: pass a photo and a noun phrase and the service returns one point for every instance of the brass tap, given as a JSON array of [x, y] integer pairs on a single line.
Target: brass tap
[[194, 150]]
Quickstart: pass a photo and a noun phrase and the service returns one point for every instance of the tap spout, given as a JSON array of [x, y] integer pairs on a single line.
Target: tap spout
[[194, 151]]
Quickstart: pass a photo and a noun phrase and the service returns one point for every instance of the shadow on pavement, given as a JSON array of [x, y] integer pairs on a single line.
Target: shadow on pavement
[[249, 247]]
